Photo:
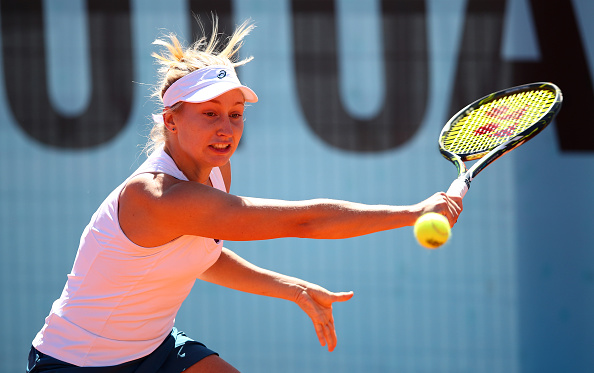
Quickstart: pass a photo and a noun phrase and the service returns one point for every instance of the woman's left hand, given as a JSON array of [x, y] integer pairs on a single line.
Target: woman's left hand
[[317, 303]]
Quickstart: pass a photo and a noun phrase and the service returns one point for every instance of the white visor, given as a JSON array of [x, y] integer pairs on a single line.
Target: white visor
[[203, 85]]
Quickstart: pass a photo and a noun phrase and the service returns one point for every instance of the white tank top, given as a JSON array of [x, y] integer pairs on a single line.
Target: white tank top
[[120, 300]]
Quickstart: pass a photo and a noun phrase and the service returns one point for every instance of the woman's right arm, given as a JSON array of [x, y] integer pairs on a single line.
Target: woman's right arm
[[159, 208]]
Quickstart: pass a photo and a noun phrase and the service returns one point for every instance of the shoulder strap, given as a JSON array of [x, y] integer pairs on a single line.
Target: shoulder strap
[[216, 178]]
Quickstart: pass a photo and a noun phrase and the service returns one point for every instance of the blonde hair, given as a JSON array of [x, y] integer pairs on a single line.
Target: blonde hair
[[178, 61]]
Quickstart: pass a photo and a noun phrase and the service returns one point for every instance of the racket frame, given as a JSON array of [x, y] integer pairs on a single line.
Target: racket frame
[[462, 183]]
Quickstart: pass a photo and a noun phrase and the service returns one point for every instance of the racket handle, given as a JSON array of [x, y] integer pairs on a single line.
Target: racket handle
[[458, 188]]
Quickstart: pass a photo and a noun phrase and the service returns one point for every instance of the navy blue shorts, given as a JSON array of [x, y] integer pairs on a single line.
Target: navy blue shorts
[[177, 353]]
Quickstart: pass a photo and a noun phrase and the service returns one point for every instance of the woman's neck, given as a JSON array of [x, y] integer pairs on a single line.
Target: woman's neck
[[190, 169]]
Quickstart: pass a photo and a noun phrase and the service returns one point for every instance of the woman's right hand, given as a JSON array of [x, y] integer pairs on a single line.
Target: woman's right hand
[[441, 203]]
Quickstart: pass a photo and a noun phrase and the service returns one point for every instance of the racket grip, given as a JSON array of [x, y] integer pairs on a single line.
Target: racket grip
[[458, 188]]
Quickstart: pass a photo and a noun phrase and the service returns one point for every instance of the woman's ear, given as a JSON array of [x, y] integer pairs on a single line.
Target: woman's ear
[[169, 121]]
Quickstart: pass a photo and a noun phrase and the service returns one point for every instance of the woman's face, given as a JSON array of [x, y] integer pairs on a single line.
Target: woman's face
[[207, 133]]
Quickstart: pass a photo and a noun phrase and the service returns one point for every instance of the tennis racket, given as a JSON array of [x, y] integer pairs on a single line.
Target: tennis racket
[[494, 125]]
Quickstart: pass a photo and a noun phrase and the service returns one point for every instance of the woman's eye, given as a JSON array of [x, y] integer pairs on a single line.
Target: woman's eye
[[210, 114], [235, 116]]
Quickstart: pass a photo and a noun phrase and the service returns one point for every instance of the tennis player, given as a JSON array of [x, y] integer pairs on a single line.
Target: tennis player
[[165, 225]]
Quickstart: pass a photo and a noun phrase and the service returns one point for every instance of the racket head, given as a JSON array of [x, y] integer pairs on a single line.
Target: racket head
[[499, 122]]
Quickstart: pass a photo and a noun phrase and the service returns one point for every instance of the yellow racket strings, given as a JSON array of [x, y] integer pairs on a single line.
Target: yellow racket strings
[[497, 121]]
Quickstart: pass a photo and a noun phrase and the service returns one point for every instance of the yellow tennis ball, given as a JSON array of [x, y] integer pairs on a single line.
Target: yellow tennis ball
[[432, 230]]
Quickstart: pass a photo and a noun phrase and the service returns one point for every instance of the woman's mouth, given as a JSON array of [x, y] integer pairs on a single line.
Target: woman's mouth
[[221, 148]]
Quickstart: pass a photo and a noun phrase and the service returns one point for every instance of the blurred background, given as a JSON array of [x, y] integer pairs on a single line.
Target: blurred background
[[353, 95]]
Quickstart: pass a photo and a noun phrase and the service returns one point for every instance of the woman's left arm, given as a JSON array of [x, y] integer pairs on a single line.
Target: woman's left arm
[[234, 272]]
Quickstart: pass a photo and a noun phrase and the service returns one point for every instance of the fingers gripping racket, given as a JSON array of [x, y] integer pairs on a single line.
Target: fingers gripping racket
[[494, 125]]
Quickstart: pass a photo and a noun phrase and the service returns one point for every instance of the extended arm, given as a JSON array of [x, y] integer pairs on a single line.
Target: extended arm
[[234, 272], [159, 208]]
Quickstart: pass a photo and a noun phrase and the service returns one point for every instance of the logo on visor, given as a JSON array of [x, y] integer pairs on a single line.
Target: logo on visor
[[222, 74]]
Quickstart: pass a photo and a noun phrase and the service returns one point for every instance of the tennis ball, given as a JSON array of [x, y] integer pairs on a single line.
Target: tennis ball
[[432, 230]]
